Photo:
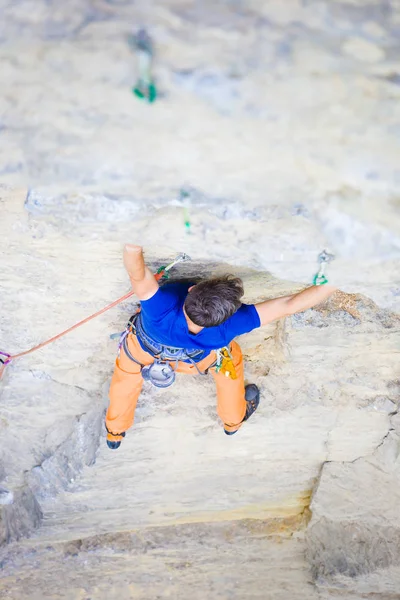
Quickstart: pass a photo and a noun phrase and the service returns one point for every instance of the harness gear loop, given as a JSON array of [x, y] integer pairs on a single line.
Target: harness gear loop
[[159, 275], [225, 363], [323, 258]]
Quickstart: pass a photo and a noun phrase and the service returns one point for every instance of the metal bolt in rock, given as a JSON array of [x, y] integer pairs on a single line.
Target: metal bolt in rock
[[182, 257]]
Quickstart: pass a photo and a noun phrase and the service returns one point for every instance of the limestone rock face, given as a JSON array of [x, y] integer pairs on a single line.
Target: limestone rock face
[[276, 130], [354, 535]]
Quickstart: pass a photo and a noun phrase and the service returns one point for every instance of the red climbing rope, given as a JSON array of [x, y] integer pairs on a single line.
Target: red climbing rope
[[10, 357]]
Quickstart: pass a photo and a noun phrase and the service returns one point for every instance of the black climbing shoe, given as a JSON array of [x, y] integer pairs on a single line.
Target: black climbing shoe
[[252, 396], [112, 443]]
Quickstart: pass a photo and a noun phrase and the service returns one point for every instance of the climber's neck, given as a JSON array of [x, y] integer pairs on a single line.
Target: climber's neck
[[193, 328]]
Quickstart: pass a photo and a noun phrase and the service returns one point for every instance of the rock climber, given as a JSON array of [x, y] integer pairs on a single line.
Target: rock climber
[[191, 329]]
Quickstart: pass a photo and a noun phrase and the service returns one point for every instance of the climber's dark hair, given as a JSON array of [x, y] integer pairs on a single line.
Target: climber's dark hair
[[213, 301]]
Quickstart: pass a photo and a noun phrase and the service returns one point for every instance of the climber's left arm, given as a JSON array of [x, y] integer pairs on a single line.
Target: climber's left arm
[[143, 282], [270, 310]]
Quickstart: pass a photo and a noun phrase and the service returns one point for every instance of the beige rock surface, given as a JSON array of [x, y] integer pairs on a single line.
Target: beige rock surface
[[280, 121]]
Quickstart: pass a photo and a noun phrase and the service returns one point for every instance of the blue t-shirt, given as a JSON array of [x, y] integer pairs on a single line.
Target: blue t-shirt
[[164, 321]]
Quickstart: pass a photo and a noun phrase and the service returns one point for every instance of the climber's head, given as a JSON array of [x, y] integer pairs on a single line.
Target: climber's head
[[211, 302]]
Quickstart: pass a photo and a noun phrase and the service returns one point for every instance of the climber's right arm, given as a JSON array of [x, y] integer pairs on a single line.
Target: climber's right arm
[[270, 310], [144, 284]]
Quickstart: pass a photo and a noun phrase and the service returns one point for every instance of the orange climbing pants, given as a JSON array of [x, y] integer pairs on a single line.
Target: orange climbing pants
[[126, 385]]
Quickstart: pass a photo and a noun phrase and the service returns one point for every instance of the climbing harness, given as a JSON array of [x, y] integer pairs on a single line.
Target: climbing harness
[[324, 258], [145, 88], [160, 373], [5, 358]]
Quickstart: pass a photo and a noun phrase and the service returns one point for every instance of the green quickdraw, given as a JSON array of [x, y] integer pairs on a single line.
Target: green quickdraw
[[184, 197], [182, 257], [319, 279], [145, 91], [324, 258], [186, 219], [165, 275], [145, 88]]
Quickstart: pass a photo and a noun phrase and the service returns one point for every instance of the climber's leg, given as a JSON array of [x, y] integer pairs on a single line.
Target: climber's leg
[[125, 387], [231, 403]]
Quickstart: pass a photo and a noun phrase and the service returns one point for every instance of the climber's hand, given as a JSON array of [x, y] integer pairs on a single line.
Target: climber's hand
[[134, 261], [144, 284]]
